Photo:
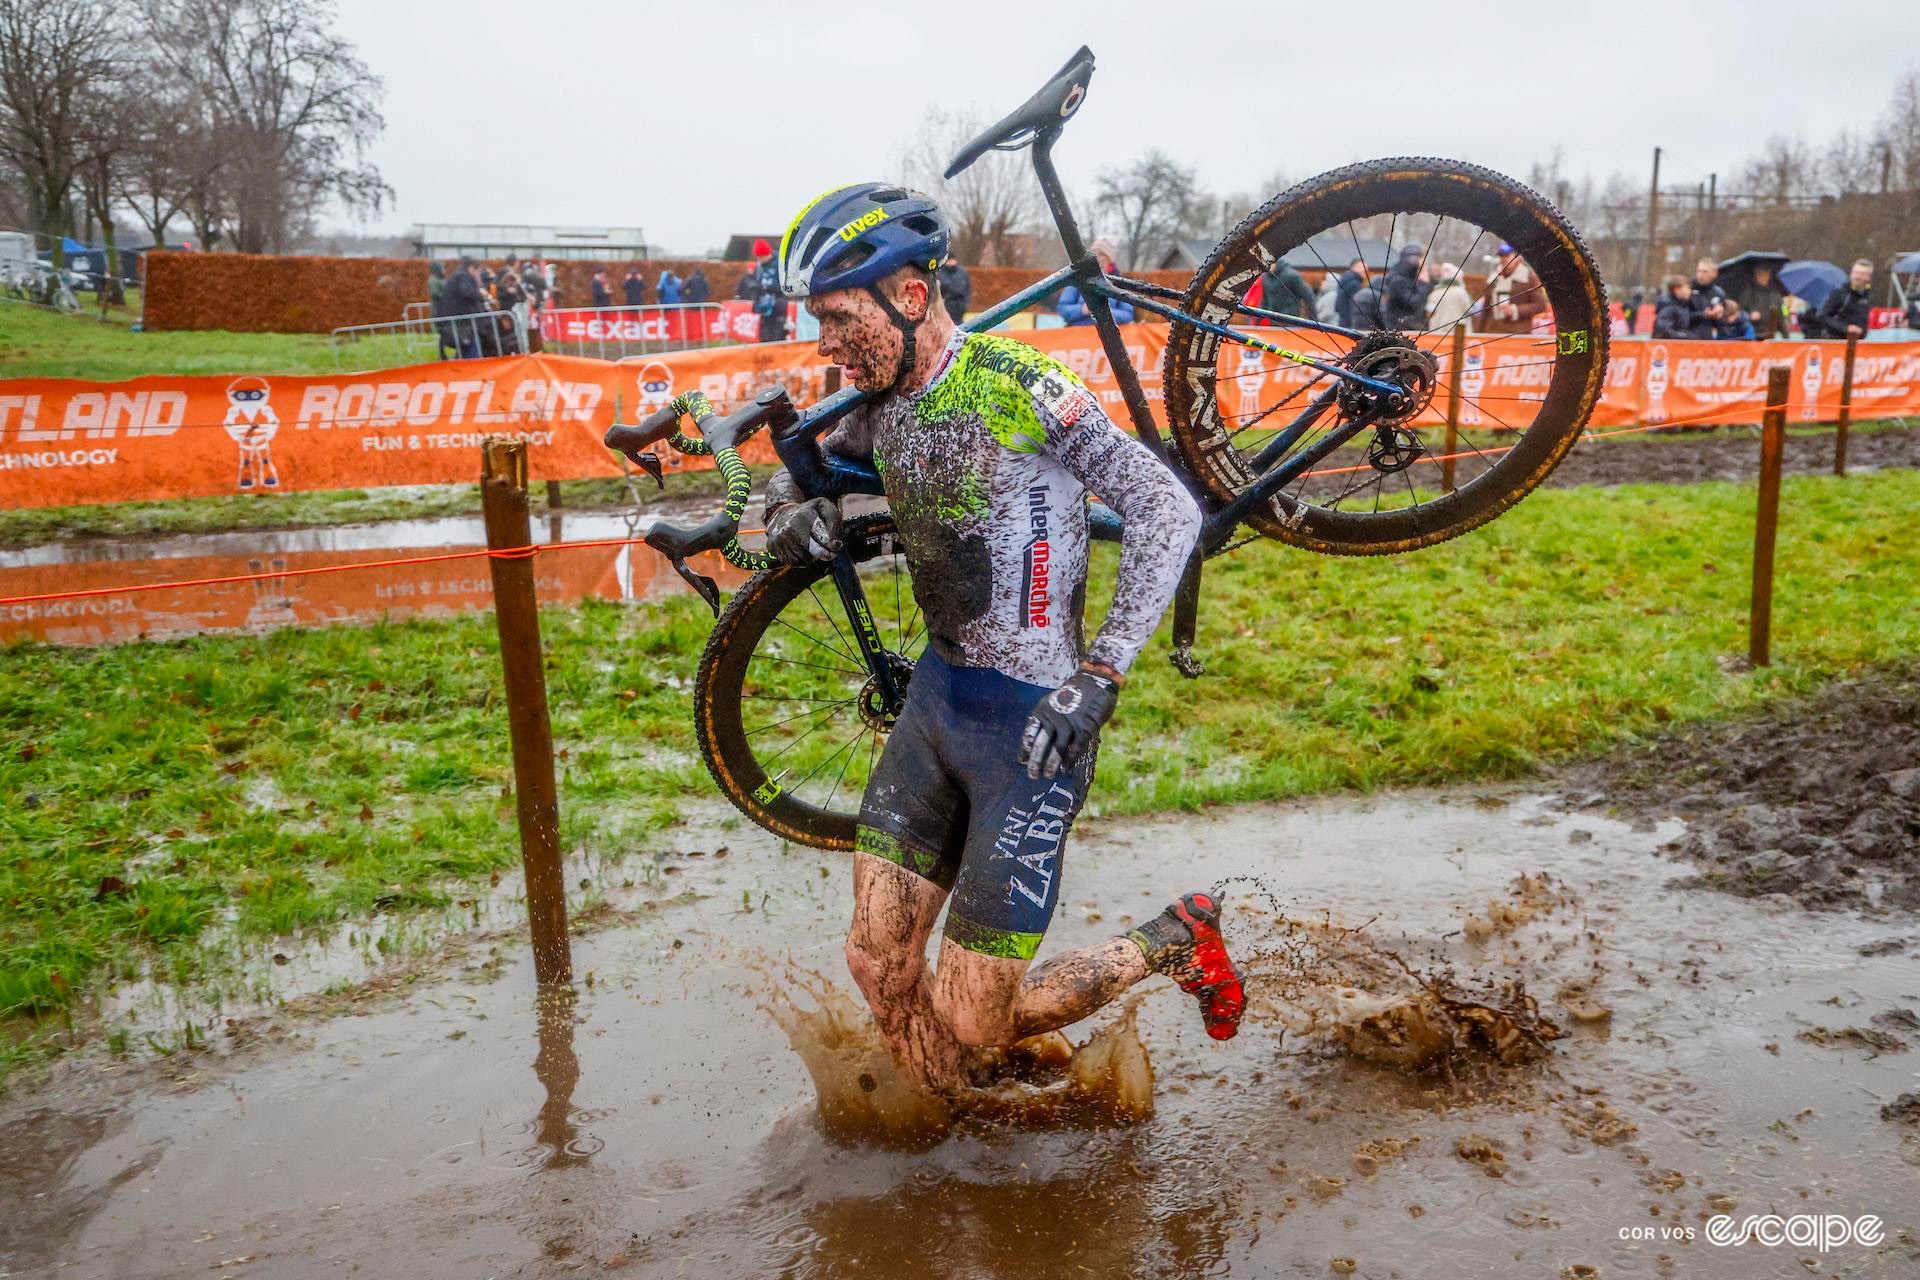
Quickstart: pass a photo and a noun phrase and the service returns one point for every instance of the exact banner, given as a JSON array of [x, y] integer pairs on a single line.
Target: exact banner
[[64, 441]]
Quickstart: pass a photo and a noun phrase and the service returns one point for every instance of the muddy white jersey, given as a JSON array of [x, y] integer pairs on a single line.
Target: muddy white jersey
[[987, 471]]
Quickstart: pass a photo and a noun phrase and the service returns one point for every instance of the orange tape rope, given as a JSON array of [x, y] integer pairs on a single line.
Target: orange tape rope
[[505, 553]]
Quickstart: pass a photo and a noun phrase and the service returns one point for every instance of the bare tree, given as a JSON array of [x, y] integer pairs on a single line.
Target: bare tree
[[165, 146], [1899, 133], [54, 54], [109, 110], [993, 205], [1848, 163], [1150, 204], [293, 109], [1782, 172]]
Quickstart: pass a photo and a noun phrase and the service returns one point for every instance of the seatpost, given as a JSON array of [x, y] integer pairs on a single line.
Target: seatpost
[[1082, 259], [1056, 195]]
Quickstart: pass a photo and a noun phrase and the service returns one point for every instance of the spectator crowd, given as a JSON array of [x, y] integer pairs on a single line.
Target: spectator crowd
[[478, 312]]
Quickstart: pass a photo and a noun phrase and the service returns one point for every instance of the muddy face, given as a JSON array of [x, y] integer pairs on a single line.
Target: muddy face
[[857, 335]]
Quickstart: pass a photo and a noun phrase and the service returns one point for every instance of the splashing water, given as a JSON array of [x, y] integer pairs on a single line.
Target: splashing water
[[1311, 979], [1316, 979], [865, 1097]]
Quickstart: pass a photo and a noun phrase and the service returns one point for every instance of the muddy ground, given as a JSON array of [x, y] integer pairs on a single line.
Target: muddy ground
[[1726, 455], [1715, 1056], [1817, 799]]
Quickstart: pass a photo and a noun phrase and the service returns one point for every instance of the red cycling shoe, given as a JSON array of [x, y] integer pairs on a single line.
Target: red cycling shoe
[[1184, 943]]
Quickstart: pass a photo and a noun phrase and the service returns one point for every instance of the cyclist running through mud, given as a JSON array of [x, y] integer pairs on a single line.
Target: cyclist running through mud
[[988, 449]]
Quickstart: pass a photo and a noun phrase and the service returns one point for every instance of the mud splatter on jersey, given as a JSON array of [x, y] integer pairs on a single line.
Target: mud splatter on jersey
[[987, 471]]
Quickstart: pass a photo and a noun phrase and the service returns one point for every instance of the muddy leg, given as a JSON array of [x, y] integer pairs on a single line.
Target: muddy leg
[[1073, 984], [994, 1000], [893, 915]]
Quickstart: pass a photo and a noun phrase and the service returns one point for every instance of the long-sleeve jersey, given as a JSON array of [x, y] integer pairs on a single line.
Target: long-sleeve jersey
[[987, 470]]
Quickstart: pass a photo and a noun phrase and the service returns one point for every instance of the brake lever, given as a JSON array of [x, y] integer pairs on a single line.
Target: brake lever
[[709, 589], [649, 462]]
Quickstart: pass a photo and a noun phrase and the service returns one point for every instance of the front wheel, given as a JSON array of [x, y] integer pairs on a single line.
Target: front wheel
[[789, 719], [1426, 246]]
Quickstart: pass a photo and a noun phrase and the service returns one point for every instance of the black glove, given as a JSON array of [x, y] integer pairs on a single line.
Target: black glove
[[805, 531], [1063, 726]]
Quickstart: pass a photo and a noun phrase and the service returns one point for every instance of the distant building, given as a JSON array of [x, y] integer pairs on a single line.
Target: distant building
[[1185, 255], [486, 240]]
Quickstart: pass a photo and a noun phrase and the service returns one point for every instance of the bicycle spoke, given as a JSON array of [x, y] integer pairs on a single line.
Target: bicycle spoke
[[845, 702], [843, 772], [795, 662], [812, 639], [788, 697], [824, 763], [831, 621], [790, 746], [1280, 404]]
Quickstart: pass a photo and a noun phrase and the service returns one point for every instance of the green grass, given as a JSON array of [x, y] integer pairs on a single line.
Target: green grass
[[35, 343], [1581, 616]]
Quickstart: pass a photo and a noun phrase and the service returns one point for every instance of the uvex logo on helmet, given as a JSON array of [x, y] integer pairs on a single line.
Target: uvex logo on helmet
[[871, 218]]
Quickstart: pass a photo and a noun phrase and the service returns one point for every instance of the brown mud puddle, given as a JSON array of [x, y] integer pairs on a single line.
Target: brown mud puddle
[[1727, 455], [1816, 798], [656, 1121]]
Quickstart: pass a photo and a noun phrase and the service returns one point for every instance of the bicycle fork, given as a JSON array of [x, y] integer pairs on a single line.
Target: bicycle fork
[[847, 580]]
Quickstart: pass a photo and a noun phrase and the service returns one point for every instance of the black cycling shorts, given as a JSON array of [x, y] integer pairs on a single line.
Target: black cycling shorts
[[951, 802]]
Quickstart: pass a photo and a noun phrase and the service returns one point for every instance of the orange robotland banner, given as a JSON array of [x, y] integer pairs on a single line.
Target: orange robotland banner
[[67, 441], [64, 441]]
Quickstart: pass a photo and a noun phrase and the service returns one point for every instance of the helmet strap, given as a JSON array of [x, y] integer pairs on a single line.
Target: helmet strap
[[908, 349]]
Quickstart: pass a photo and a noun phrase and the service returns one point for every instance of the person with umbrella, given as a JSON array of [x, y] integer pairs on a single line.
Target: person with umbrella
[[1809, 281], [1752, 280]]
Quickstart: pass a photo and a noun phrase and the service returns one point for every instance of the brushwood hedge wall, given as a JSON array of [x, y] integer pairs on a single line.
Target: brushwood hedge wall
[[258, 293]]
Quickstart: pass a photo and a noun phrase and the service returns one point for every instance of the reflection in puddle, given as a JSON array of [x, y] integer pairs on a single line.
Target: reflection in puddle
[[292, 598], [557, 1068]]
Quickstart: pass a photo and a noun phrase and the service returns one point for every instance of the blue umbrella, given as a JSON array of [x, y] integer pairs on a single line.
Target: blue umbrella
[[1812, 279], [1907, 263]]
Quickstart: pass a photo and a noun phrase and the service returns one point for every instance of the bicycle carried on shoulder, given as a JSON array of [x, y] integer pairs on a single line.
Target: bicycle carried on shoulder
[[1313, 444]]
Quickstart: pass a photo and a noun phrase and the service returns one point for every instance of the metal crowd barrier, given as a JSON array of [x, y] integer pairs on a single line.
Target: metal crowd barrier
[[420, 337], [616, 333]]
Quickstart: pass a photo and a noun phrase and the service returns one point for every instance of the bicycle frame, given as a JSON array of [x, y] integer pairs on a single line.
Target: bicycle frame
[[821, 476], [1085, 273]]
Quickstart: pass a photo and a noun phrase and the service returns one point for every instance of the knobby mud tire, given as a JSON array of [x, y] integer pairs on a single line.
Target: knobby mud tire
[[718, 723], [1467, 193]]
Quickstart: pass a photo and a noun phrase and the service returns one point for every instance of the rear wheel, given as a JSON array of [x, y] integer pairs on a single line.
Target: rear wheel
[[789, 719], [1236, 412]]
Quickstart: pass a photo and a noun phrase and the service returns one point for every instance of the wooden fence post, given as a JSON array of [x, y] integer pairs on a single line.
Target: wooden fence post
[[1773, 438], [503, 500], [554, 500], [1846, 410], [1453, 406]]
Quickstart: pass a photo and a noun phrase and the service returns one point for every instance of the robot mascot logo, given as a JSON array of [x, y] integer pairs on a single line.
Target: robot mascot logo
[[251, 423], [656, 385]]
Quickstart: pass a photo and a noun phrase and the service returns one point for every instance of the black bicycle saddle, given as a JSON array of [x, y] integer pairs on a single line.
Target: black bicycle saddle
[[1050, 108]]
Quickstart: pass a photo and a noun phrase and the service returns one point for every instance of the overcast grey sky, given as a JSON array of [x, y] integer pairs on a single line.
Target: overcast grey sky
[[697, 120]]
